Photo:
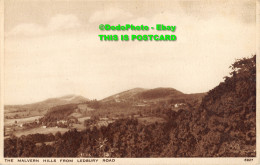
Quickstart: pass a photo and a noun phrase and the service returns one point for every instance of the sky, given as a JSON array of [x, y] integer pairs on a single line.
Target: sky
[[52, 48]]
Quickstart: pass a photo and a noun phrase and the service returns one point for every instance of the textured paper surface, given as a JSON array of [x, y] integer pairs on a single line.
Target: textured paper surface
[[52, 48]]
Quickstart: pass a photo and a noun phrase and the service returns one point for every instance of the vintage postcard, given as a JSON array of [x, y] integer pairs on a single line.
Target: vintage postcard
[[129, 82]]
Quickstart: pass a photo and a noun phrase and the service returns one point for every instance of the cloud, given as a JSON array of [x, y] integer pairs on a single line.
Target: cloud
[[56, 23], [110, 15], [63, 22], [27, 29]]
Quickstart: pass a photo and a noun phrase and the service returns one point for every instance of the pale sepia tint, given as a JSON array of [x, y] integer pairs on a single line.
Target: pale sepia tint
[[70, 96]]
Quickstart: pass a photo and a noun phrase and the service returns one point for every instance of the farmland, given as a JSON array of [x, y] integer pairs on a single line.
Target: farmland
[[40, 130], [9, 122]]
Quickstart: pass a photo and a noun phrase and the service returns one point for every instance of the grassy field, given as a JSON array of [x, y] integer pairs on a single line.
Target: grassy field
[[47, 143], [82, 119], [41, 130], [79, 127], [8, 122]]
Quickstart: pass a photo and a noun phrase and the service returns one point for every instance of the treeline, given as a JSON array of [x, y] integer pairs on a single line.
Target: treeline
[[124, 138]]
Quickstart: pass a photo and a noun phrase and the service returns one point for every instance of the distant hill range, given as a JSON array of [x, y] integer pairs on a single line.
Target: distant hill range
[[51, 102], [151, 95], [43, 106], [133, 97]]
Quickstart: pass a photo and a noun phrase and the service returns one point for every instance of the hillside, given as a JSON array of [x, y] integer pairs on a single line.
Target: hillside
[[125, 95], [42, 107], [155, 95], [123, 103], [230, 111], [225, 123], [159, 93]]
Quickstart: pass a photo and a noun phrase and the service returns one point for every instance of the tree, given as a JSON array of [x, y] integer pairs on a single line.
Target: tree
[[57, 135]]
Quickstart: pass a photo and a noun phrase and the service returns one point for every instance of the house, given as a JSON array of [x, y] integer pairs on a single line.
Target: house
[[21, 125], [178, 105], [102, 123], [117, 101], [44, 126]]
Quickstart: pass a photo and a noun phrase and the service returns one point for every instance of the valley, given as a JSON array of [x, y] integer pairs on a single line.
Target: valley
[[68, 112]]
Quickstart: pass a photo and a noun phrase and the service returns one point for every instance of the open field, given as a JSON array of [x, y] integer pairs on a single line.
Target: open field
[[82, 119], [8, 122], [41, 130], [47, 143], [79, 127], [23, 114]]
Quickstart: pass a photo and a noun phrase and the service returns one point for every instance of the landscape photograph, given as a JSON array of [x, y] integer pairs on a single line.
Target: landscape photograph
[[69, 95]]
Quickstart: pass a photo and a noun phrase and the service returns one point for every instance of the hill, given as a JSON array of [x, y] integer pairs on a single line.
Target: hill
[[159, 93], [124, 96], [230, 111], [155, 95], [225, 123], [40, 108]]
